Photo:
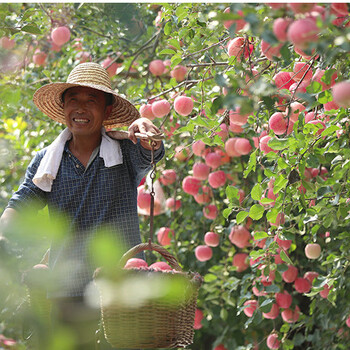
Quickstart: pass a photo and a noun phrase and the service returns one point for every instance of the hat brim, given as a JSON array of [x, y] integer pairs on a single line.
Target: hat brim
[[48, 99]]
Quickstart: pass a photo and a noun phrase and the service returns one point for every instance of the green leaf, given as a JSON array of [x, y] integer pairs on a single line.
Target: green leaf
[[27, 14], [278, 144], [330, 130], [282, 163], [266, 305], [209, 277], [260, 235], [31, 28], [251, 164], [240, 217], [226, 212], [256, 211], [176, 59], [167, 52], [285, 257], [223, 314], [231, 193], [280, 182], [322, 191], [256, 192], [168, 28], [175, 43]]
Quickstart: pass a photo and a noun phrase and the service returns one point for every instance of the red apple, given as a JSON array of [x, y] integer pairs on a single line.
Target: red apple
[[238, 48], [210, 211], [183, 105], [318, 77], [198, 147], [220, 347], [60, 35], [283, 300], [198, 317], [264, 146], [217, 179], [240, 236], [302, 32], [112, 67], [348, 321], [290, 275], [291, 316], [164, 235], [200, 171], [191, 185], [160, 108], [283, 243], [136, 263], [242, 146], [237, 117], [179, 73], [143, 198], [212, 239], [283, 80], [310, 276], [302, 285], [230, 147], [325, 291], [299, 7], [160, 266], [252, 306], [280, 27], [278, 123], [273, 313], [312, 250], [156, 67], [240, 261], [272, 341], [302, 70], [271, 51], [240, 23], [7, 43], [203, 253], [213, 159], [295, 109], [168, 177], [341, 8], [39, 57], [341, 94]]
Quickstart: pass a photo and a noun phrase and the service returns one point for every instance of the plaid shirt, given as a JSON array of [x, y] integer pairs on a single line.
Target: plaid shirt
[[91, 198]]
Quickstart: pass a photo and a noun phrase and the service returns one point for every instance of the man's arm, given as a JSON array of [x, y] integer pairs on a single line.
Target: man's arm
[[7, 218]]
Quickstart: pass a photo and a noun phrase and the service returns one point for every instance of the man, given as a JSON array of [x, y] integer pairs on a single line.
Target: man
[[86, 176]]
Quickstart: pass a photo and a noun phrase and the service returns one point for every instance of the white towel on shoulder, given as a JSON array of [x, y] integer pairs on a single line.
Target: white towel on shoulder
[[110, 151]]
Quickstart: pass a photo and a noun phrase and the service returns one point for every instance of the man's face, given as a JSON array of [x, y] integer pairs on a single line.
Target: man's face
[[85, 110]]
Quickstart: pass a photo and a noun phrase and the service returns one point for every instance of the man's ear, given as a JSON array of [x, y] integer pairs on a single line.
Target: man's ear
[[108, 111]]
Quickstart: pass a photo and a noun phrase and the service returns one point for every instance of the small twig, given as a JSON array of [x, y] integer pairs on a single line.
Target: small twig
[[189, 82], [206, 49], [194, 65]]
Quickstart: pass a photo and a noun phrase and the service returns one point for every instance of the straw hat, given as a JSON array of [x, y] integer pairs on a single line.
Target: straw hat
[[48, 98]]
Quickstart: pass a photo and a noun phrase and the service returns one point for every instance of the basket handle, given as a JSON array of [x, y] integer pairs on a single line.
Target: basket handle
[[150, 246]]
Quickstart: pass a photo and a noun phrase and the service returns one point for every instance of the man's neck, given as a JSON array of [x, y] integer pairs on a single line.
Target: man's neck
[[82, 147]]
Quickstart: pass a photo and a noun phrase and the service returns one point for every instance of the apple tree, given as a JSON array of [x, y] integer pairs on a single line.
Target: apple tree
[[253, 193]]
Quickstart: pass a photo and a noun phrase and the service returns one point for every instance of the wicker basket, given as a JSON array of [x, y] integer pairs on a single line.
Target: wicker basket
[[156, 323]]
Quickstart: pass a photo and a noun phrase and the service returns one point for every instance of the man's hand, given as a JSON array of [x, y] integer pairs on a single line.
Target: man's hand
[[144, 126]]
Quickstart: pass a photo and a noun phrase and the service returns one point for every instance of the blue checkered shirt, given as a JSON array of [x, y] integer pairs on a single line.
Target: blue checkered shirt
[[91, 198]]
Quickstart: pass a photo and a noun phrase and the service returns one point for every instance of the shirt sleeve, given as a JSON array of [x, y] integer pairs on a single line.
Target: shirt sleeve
[[140, 158], [29, 196]]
